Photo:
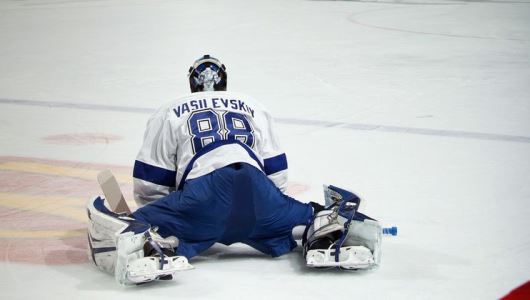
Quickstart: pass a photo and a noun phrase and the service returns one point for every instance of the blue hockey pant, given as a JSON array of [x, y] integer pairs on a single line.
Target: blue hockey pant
[[237, 203]]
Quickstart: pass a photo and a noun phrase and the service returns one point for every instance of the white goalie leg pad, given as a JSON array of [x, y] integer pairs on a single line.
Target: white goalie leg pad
[[366, 233], [116, 246], [361, 248], [102, 229]]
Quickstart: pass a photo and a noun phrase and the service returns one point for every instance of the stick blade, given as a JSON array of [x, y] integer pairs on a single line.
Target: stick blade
[[112, 192]]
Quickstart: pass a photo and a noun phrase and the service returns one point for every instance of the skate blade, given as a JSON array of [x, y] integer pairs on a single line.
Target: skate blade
[[351, 257]]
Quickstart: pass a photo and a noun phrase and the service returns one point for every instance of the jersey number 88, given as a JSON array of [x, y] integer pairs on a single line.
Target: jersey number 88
[[208, 126]]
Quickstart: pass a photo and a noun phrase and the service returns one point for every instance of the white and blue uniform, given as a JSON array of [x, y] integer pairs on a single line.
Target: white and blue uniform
[[211, 170], [176, 141]]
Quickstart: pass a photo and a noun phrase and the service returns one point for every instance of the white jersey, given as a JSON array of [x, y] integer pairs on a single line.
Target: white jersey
[[201, 132]]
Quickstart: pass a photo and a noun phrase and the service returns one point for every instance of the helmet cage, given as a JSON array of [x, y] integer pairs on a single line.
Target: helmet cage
[[213, 79]]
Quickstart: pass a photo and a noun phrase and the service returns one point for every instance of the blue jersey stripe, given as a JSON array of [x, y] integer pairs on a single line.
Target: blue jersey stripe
[[154, 174], [275, 164]]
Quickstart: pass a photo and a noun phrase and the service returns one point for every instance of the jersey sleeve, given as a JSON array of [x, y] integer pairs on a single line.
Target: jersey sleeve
[[274, 159], [155, 166]]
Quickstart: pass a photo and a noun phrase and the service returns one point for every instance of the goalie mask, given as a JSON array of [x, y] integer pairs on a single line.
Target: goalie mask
[[207, 74]]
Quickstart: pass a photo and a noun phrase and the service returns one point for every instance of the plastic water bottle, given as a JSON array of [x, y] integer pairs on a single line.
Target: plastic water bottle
[[390, 230]]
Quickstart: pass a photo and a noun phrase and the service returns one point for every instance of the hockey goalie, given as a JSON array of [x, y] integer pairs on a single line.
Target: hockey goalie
[[211, 170]]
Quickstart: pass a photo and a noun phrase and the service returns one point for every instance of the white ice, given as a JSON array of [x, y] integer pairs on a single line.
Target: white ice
[[420, 106]]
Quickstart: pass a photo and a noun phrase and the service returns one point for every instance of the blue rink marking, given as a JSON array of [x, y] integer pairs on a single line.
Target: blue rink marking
[[410, 130], [303, 122]]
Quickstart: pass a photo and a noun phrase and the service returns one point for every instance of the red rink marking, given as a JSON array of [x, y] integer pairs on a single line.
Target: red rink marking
[[42, 184], [16, 220], [49, 251], [520, 293], [60, 238], [296, 188]]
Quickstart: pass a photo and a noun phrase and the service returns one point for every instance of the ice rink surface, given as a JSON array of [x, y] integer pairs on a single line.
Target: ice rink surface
[[421, 107]]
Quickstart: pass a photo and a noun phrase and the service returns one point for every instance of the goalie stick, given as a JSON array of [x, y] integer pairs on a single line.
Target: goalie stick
[[112, 192]]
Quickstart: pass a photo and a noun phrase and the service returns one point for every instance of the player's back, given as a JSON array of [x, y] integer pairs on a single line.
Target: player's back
[[204, 131], [219, 122]]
